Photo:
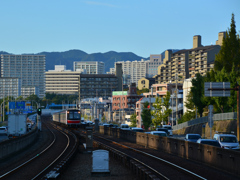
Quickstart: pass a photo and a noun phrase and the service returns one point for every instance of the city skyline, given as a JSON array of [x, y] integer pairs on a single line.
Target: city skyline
[[140, 27]]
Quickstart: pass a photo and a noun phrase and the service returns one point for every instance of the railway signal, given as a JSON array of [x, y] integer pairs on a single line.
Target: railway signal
[[39, 111]]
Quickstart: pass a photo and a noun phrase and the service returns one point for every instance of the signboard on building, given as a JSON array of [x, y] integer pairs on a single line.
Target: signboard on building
[[119, 93], [85, 106]]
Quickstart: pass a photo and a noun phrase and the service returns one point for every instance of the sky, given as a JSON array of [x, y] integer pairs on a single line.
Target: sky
[[143, 27]]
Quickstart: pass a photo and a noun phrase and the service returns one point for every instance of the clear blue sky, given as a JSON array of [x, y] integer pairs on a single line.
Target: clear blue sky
[[143, 27]]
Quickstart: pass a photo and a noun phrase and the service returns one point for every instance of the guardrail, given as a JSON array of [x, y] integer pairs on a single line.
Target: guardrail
[[216, 117]]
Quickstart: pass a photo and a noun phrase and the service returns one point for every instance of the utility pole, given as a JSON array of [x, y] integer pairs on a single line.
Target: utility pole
[[176, 99], [79, 89]]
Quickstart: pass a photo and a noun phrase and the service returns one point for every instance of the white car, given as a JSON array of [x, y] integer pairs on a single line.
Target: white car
[[159, 133], [227, 141], [125, 127], [3, 130], [169, 127]]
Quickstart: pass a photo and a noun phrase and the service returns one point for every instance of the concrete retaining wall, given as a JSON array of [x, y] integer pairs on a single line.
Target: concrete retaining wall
[[226, 160], [7, 148]]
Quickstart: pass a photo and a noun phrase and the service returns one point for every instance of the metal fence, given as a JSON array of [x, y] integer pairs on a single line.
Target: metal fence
[[216, 117]]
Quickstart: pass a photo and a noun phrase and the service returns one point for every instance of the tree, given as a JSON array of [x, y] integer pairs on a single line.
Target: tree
[[221, 102], [230, 50], [197, 90], [103, 119], [133, 120], [146, 115], [166, 104], [233, 79], [144, 90], [157, 112]]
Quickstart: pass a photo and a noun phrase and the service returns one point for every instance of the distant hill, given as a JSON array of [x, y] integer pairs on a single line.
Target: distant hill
[[68, 57]]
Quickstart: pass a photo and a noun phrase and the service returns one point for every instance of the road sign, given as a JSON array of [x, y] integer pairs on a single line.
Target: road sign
[[28, 103], [20, 105], [11, 105], [217, 89]]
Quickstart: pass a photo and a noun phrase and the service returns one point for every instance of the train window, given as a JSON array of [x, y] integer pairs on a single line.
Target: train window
[[76, 115]]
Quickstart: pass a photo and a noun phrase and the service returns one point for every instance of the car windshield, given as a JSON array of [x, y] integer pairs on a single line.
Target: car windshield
[[125, 126], [138, 130], [194, 136], [228, 139], [160, 134], [170, 128], [213, 143]]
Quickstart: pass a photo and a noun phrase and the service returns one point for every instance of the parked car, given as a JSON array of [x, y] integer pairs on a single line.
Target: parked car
[[105, 125], [227, 141], [159, 133], [163, 129], [125, 127], [3, 130], [192, 137], [169, 128], [113, 125], [211, 142], [135, 129]]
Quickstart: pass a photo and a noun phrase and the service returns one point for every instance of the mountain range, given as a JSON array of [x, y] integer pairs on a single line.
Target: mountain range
[[68, 57]]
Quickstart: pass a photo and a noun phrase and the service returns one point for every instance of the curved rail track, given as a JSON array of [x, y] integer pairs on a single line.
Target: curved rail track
[[162, 165], [36, 164]]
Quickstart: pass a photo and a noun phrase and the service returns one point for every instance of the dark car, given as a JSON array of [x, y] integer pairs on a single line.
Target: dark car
[[211, 142], [192, 137], [163, 129], [113, 125]]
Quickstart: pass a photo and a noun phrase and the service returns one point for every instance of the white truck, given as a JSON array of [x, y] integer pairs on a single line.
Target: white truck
[[17, 125]]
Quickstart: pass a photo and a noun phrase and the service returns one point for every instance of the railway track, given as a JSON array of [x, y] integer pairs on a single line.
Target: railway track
[[45, 162], [145, 161]]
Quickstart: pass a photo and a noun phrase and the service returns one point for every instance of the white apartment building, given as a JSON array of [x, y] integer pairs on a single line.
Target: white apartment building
[[10, 87], [92, 67], [26, 90], [62, 81], [136, 70], [154, 62], [30, 69]]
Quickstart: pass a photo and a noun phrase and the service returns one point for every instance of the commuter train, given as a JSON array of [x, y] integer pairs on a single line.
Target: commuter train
[[70, 117]]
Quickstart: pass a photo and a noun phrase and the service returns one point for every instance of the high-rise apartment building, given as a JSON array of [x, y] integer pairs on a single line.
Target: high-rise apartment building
[[10, 87], [92, 67], [154, 62], [136, 70], [30, 69], [186, 63]]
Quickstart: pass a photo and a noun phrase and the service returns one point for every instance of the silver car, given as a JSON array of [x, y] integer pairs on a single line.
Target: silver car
[[227, 141]]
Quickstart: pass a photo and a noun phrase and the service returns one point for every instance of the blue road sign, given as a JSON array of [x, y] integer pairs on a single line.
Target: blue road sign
[[11, 105], [20, 105]]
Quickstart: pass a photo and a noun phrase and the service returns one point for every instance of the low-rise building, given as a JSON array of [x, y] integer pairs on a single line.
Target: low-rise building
[[125, 99], [145, 83]]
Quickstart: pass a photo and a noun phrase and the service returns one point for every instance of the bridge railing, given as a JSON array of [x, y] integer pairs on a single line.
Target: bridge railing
[[216, 117]]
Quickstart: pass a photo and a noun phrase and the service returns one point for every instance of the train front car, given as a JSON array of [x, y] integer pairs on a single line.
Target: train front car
[[73, 118]]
